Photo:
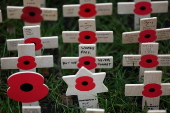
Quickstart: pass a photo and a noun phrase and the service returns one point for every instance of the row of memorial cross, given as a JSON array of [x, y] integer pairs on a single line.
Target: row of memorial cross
[[30, 87]]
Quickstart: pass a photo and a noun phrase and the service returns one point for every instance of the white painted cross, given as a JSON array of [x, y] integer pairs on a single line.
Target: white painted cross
[[43, 3], [31, 13], [148, 60], [86, 85], [151, 90], [0, 16], [147, 33], [87, 9], [32, 35], [93, 110], [142, 9], [87, 34], [87, 58], [156, 111], [27, 61]]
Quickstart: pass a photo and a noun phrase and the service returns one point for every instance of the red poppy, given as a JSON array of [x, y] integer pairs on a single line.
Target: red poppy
[[26, 87], [88, 62], [85, 83], [152, 90], [149, 61], [87, 37], [36, 41], [26, 62], [143, 8], [147, 36], [87, 10], [31, 14]]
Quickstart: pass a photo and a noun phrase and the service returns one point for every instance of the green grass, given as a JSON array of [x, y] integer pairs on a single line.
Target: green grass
[[113, 101]]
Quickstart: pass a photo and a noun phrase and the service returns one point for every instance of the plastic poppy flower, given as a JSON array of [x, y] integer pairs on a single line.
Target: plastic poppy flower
[[31, 14], [36, 41], [85, 83], [88, 62], [152, 90], [147, 36], [143, 8], [87, 10], [149, 61], [26, 87], [87, 37], [26, 63]]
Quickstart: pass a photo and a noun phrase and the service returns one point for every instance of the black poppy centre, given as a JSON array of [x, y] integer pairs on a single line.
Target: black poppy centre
[[26, 62], [84, 83], [147, 36], [149, 61], [26, 87], [143, 8], [86, 62], [32, 13], [87, 37], [151, 90], [87, 10]]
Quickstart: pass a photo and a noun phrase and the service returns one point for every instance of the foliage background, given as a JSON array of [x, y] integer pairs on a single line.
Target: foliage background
[[113, 101]]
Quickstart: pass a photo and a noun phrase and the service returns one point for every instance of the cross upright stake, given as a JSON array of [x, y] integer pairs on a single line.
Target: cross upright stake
[[142, 9], [87, 9], [151, 90], [86, 85], [147, 33], [93, 110], [87, 34], [32, 35], [27, 61], [148, 60], [87, 58], [156, 111], [31, 13]]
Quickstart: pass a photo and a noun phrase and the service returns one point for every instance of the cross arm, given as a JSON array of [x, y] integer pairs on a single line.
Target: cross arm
[[69, 62], [164, 60], [156, 111], [49, 14], [102, 36], [44, 61], [72, 10], [159, 6], [50, 42], [133, 89], [131, 60], [125, 7], [13, 43], [94, 110], [130, 37], [163, 34], [9, 63], [14, 12], [104, 62], [165, 88]]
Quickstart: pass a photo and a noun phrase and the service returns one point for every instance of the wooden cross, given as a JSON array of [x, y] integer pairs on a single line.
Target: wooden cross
[[26, 60], [148, 60], [142, 9], [87, 58], [32, 35], [87, 9], [43, 3], [147, 33], [0, 16], [156, 111], [93, 110], [86, 85], [31, 13], [87, 34], [151, 90]]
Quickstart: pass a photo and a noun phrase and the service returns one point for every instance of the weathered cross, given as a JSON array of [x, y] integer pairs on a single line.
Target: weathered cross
[[87, 34], [87, 58], [156, 111], [0, 16], [147, 33], [87, 9], [32, 35], [151, 90], [31, 13], [86, 85], [142, 9], [27, 61], [93, 110], [148, 60]]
